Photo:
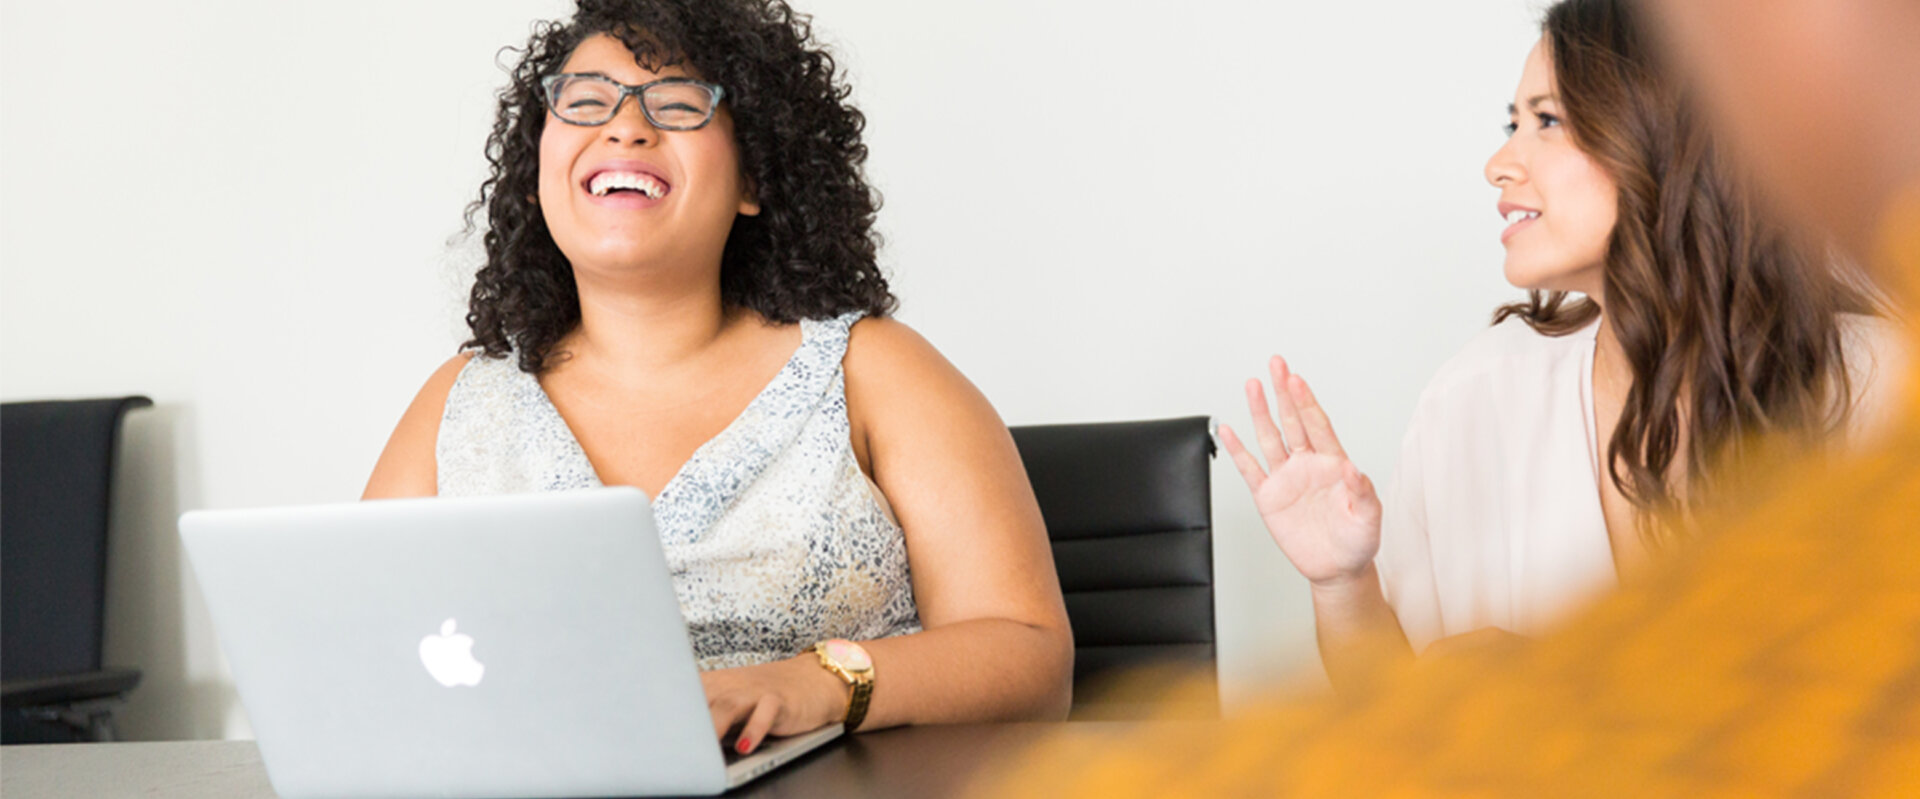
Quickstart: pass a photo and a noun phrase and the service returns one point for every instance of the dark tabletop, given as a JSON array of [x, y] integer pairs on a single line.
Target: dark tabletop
[[910, 762]]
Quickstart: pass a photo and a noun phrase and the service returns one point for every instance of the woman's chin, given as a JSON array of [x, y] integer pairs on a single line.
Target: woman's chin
[[1531, 276], [615, 257], [1523, 277]]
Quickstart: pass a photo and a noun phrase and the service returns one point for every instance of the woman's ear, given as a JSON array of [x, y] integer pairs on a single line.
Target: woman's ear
[[749, 197]]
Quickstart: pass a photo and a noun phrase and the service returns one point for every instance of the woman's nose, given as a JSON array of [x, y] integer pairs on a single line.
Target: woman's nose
[[629, 124], [1505, 166]]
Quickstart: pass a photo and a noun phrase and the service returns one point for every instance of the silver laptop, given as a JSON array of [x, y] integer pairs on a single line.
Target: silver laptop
[[513, 646]]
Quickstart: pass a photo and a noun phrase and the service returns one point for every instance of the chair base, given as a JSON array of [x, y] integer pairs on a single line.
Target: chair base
[[65, 708], [81, 722]]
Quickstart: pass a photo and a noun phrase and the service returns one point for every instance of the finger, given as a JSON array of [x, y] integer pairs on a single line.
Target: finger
[[1290, 426], [1358, 483], [1314, 418], [727, 713], [714, 699], [1363, 502], [1271, 443], [1243, 460], [758, 725], [1374, 510]]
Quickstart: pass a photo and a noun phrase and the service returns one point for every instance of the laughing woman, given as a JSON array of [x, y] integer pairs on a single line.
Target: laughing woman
[[1576, 438], [680, 294]]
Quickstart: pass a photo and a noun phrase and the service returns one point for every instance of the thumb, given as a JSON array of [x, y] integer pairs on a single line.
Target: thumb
[[1361, 500], [1352, 480]]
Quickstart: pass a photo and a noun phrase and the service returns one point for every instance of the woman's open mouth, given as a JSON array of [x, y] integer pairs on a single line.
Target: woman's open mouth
[[1517, 217], [626, 186]]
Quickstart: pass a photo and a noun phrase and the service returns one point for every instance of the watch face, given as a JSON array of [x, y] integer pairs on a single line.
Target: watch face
[[849, 655]]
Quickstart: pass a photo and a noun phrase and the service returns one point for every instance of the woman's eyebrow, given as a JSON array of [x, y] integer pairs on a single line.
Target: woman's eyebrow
[[1532, 103]]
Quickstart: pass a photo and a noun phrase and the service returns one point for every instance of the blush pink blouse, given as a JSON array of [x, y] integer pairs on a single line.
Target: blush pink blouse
[[1493, 516]]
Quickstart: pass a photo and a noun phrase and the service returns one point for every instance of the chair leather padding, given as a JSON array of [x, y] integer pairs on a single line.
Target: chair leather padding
[[56, 477], [1128, 509]]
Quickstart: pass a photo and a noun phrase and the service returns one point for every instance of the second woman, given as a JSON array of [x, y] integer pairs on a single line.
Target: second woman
[[1580, 433]]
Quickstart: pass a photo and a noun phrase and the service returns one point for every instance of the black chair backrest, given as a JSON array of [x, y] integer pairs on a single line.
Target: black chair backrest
[[1128, 509], [56, 478]]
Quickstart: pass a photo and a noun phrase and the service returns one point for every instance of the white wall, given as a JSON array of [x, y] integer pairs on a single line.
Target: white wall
[[1099, 210]]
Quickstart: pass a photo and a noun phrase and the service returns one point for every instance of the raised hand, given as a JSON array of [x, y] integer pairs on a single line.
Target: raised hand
[[1318, 507]]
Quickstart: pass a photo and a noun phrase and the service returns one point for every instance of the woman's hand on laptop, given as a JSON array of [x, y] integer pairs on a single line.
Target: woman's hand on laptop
[[785, 697]]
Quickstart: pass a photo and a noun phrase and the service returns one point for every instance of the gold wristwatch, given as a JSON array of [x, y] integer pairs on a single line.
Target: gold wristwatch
[[850, 663]]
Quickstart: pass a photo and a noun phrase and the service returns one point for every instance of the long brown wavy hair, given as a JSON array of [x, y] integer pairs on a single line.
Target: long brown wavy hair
[[1729, 321]]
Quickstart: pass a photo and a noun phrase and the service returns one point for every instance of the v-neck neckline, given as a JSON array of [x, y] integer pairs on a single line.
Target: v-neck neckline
[[1596, 449], [1589, 411], [680, 475]]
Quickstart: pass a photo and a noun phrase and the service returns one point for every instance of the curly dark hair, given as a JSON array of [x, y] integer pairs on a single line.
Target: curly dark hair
[[809, 254]]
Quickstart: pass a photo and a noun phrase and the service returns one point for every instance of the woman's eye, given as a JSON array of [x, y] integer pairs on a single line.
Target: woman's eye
[[1510, 128], [586, 103], [680, 107], [1548, 120]]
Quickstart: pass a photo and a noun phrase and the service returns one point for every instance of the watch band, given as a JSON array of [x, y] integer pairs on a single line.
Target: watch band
[[857, 703], [850, 663]]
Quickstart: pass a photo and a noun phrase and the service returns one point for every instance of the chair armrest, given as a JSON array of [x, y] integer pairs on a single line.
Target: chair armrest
[[68, 688]]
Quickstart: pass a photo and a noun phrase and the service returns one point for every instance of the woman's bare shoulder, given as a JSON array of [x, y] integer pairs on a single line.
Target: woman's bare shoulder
[[896, 378], [407, 467], [882, 351]]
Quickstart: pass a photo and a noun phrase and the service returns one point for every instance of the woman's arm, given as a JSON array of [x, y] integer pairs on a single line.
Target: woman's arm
[[407, 467], [1360, 639], [1325, 516], [995, 645]]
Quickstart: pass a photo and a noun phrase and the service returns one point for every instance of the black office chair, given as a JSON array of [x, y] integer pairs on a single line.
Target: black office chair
[[1128, 509], [56, 480]]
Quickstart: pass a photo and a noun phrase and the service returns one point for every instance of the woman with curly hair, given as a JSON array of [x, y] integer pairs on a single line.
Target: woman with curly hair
[[680, 294], [1581, 434]]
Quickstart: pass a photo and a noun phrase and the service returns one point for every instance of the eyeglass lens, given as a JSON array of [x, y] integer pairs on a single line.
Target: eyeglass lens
[[590, 100]]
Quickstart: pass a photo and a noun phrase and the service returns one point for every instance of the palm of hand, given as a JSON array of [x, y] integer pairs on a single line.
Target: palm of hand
[[1325, 527], [1317, 506]]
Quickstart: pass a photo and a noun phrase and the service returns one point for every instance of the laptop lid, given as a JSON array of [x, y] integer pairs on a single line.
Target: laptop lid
[[525, 645]]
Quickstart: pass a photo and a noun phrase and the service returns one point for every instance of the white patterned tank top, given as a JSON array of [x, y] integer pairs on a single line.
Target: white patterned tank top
[[774, 536]]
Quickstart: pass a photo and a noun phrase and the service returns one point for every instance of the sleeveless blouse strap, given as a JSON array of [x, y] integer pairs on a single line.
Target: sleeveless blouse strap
[[720, 471], [499, 434]]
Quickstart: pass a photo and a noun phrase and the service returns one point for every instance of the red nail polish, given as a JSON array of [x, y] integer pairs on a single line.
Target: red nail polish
[[742, 745]]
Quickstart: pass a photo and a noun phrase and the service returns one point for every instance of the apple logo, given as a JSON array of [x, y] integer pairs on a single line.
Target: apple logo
[[449, 657]]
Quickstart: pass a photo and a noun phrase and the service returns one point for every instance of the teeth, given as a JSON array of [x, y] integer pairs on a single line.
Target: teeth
[[608, 181], [1517, 215]]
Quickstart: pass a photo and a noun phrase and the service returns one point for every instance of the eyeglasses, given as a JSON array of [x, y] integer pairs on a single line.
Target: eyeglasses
[[668, 103]]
